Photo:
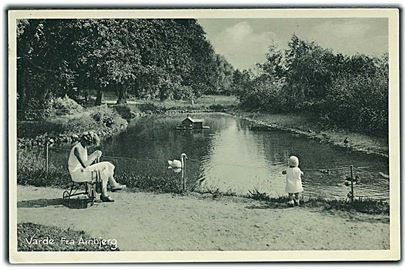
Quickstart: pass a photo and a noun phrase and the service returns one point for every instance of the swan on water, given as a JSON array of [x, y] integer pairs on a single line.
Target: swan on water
[[177, 164]]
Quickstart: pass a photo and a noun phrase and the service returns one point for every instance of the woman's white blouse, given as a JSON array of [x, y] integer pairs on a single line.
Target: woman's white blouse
[[73, 162]]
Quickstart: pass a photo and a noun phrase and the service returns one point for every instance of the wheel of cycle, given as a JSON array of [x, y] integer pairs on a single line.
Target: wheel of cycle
[[66, 195], [89, 189], [93, 194]]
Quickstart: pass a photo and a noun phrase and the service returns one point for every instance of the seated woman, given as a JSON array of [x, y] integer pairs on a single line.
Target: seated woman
[[81, 165]]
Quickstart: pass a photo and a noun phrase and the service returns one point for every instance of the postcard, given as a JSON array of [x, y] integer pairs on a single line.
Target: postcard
[[204, 135]]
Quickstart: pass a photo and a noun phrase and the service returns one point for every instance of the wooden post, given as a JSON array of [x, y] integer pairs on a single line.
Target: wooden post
[[184, 176], [183, 172], [47, 155], [351, 183]]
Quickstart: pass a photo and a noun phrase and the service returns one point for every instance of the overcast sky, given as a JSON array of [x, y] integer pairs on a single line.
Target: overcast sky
[[244, 42]]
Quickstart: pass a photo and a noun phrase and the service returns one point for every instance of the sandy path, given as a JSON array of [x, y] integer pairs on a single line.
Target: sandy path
[[147, 221]]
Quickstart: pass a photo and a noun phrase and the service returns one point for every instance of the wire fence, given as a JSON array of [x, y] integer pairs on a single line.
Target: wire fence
[[155, 175]]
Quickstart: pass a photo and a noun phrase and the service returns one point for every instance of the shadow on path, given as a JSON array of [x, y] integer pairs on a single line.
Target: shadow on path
[[268, 205], [59, 202]]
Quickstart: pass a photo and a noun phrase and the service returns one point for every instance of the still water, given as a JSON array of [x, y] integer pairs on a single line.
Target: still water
[[230, 156]]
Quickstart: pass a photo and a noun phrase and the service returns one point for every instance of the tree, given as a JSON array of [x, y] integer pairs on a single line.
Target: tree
[[44, 68], [221, 75], [160, 58], [345, 91]]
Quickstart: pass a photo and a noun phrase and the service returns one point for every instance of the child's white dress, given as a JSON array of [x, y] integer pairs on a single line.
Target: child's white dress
[[293, 180]]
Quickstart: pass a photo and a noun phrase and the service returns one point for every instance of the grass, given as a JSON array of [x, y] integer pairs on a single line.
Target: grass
[[57, 239], [215, 192], [360, 204], [138, 174], [203, 103], [257, 195], [31, 169]]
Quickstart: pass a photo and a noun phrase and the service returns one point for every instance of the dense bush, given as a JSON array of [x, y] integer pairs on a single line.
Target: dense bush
[[126, 111], [220, 107], [151, 108], [65, 105], [263, 94], [344, 91], [35, 110], [107, 116], [359, 101]]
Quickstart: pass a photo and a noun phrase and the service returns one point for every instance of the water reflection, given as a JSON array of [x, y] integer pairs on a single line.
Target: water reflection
[[232, 157]]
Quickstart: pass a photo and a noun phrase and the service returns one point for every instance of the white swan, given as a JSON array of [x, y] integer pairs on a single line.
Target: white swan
[[177, 164]]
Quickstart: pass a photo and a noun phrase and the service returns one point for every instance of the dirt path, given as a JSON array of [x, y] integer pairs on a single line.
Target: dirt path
[[148, 221]]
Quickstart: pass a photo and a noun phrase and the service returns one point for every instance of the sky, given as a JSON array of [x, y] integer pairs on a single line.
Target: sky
[[244, 42]]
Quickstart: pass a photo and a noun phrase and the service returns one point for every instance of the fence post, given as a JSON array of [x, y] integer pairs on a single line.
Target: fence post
[[183, 173], [184, 176], [47, 156], [351, 183]]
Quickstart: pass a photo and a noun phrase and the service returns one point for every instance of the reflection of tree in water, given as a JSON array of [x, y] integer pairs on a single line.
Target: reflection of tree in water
[[229, 152], [151, 141]]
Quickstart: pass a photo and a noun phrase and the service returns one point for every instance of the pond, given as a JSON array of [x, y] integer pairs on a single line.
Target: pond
[[231, 157]]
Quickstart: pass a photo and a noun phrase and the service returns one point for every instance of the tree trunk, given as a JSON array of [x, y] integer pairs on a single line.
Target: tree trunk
[[22, 100], [22, 82], [86, 96], [99, 98], [122, 95]]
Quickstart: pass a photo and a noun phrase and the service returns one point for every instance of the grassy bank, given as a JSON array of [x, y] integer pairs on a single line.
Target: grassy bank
[[35, 237], [205, 103], [66, 127], [359, 204], [148, 177], [313, 128]]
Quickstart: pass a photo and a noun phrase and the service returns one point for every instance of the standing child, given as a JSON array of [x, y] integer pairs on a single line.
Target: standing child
[[293, 181]]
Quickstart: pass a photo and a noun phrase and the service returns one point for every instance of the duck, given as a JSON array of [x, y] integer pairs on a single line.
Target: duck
[[346, 140], [356, 180], [384, 175], [324, 171], [177, 164]]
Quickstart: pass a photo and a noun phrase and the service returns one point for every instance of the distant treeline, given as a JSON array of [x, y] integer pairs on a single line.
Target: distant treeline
[[156, 58], [344, 91]]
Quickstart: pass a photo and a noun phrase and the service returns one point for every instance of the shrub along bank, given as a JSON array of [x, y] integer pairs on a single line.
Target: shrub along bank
[[65, 122]]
